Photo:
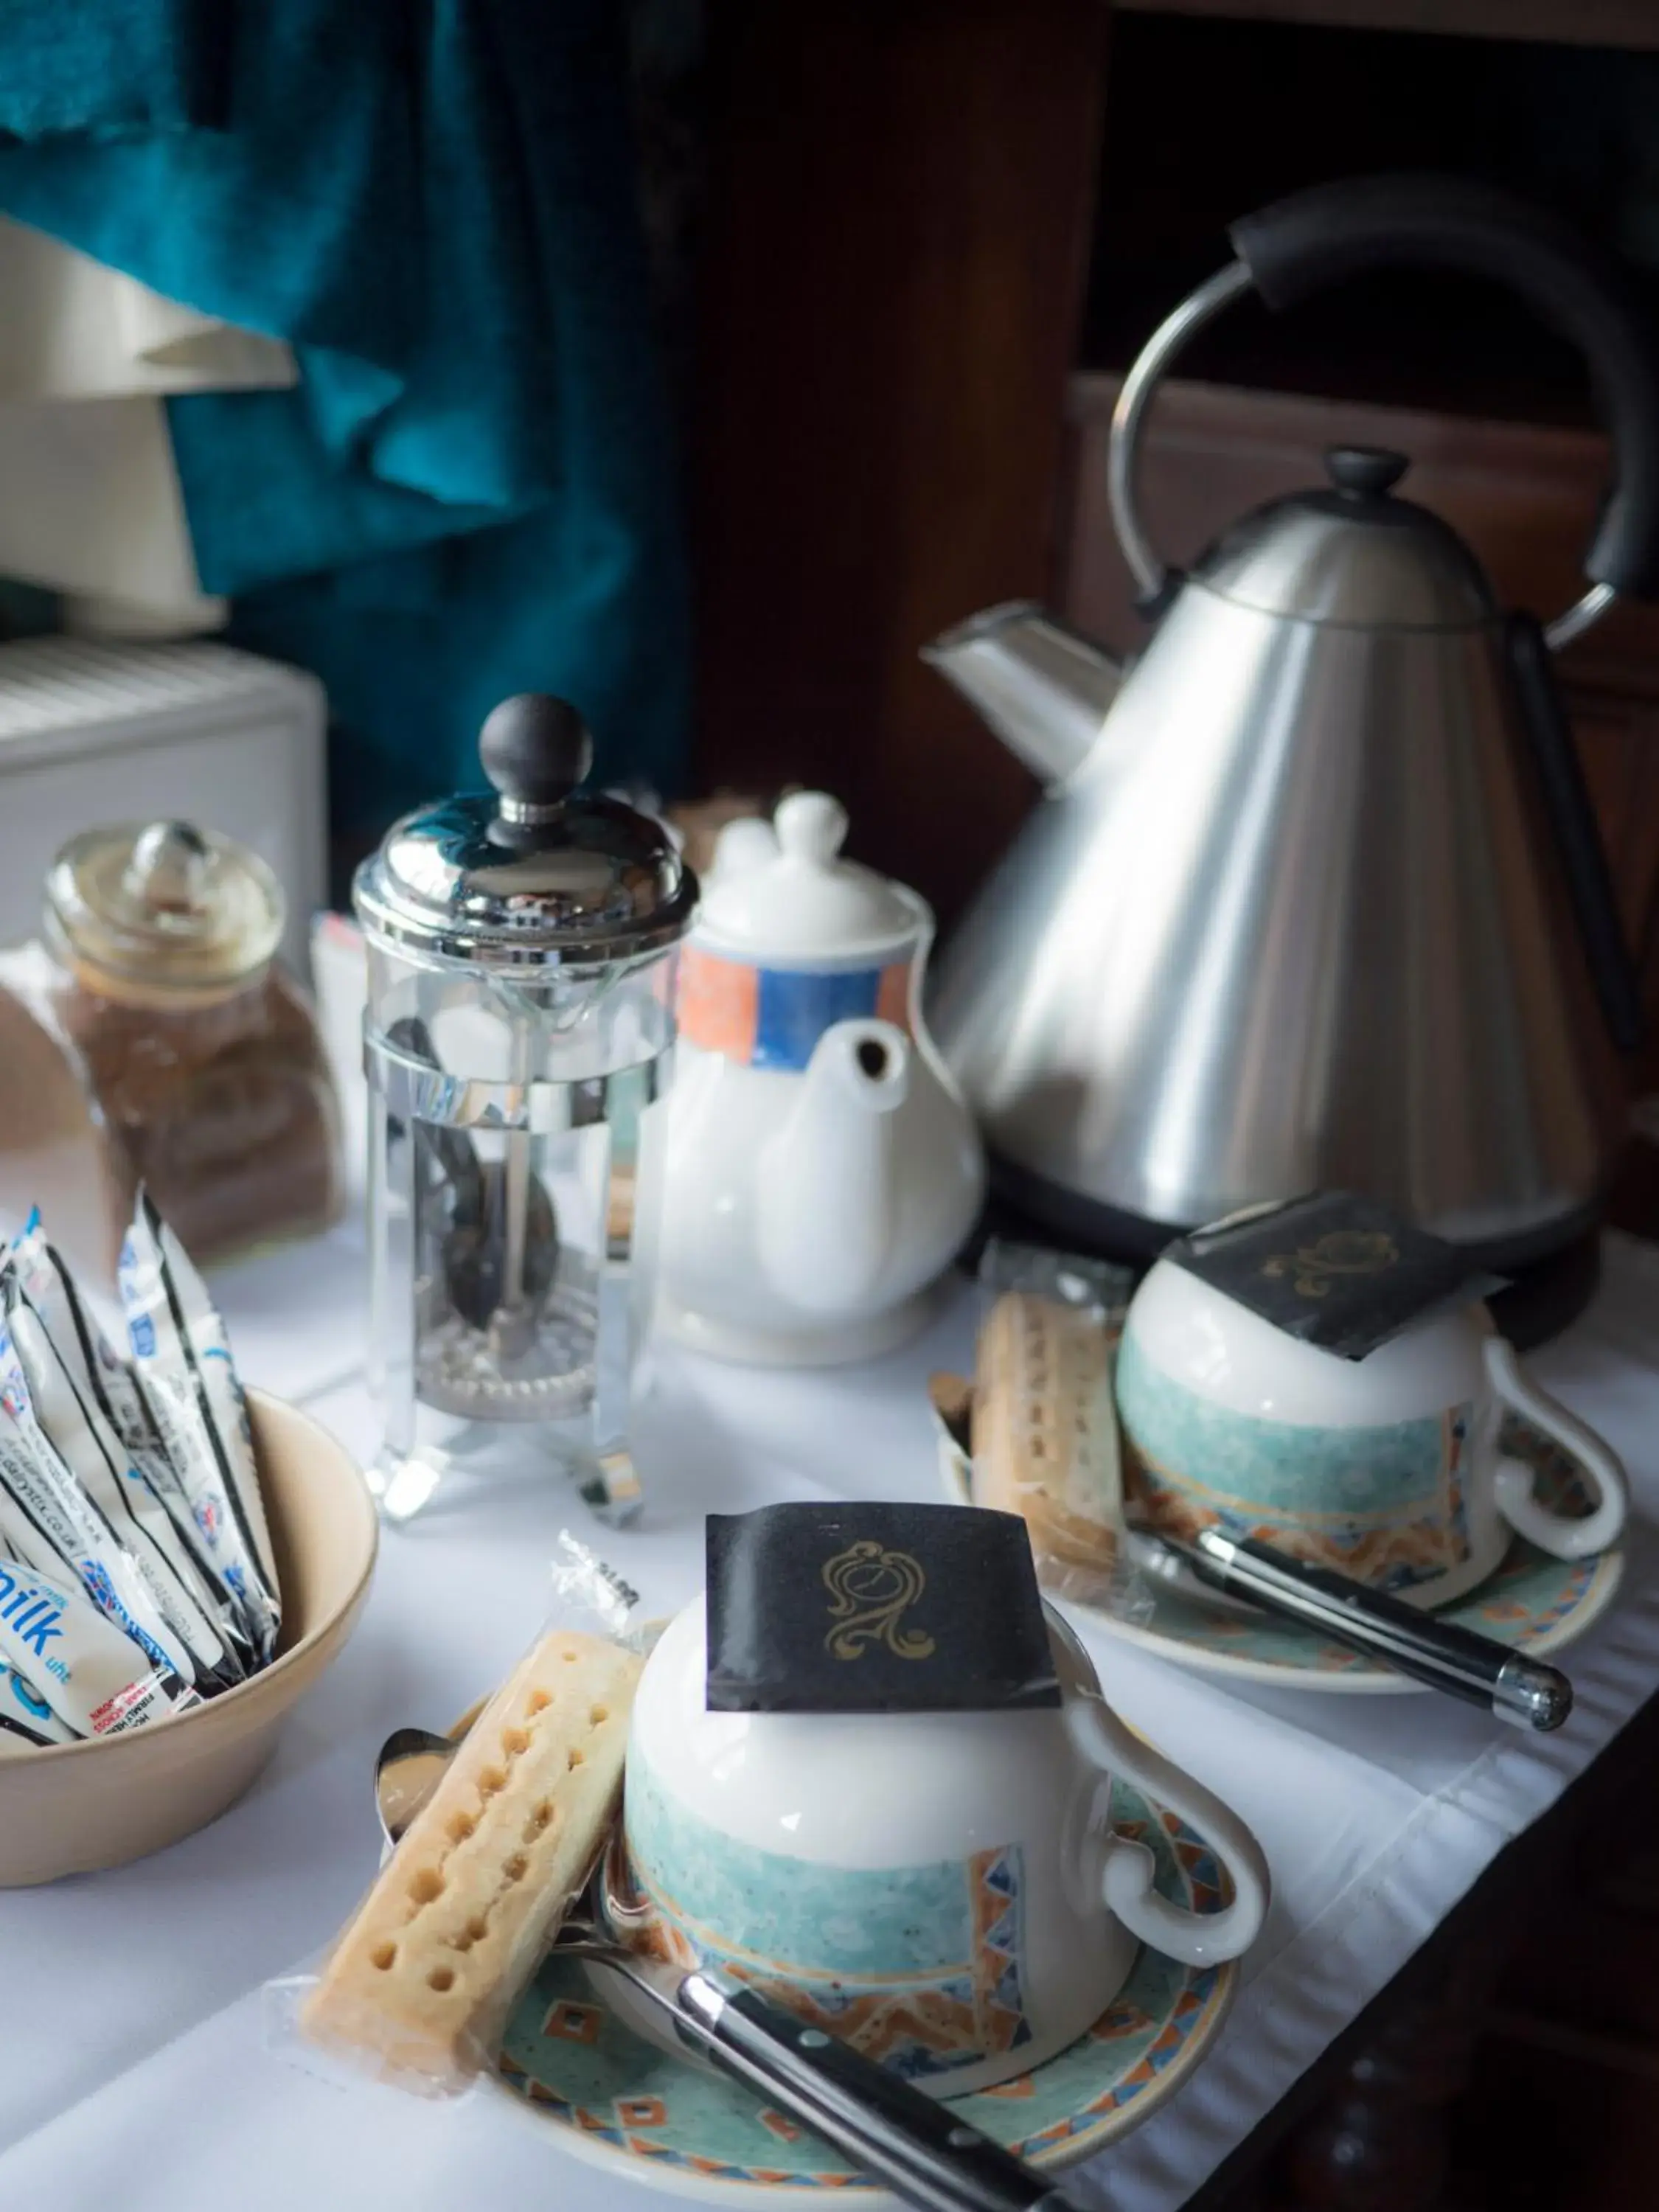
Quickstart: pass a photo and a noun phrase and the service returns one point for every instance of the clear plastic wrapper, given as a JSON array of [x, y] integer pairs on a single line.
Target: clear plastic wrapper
[[1069, 1279], [589, 1593], [181, 1355], [94, 1677], [134, 1520], [130, 1471], [418, 1987]]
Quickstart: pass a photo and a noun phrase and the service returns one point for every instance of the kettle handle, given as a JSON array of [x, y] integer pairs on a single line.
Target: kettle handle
[[1578, 837], [1299, 245]]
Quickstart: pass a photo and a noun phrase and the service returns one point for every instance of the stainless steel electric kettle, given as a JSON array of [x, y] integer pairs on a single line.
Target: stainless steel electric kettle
[[1297, 909]]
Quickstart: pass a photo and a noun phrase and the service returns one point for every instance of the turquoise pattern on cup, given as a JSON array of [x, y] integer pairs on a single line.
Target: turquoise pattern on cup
[[921, 1967], [1385, 1502]]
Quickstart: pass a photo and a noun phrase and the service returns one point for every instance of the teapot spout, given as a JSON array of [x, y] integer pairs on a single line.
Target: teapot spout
[[826, 1200], [1043, 686]]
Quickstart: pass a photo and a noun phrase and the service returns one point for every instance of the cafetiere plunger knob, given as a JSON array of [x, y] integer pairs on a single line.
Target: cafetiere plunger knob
[[1370, 471], [535, 750]]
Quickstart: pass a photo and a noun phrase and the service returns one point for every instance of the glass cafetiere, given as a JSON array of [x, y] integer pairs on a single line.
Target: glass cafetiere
[[518, 1042]]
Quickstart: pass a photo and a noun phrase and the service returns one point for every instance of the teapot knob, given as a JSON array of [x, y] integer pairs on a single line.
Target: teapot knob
[[535, 750], [809, 826], [1369, 471], [748, 843]]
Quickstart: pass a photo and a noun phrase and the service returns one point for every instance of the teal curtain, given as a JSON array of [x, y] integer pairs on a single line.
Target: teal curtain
[[472, 491]]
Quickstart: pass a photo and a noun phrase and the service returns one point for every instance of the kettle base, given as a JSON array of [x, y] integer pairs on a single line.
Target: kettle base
[[1071, 1222], [1543, 1299], [1549, 1286]]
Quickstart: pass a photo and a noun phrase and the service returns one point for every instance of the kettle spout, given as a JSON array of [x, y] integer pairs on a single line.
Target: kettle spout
[[1043, 686], [826, 1197]]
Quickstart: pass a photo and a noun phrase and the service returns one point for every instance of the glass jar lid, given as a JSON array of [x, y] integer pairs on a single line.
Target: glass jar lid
[[163, 905], [536, 871]]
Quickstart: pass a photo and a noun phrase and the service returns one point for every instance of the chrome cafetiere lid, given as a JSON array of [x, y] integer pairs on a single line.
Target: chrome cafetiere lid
[[536, 871], [1351, 553]]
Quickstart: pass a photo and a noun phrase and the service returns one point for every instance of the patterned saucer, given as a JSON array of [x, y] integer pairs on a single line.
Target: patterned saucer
[[1536, 1603], [619, 2102]]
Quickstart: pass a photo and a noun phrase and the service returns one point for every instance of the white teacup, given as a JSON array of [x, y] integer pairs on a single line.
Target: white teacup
[[1388, 1469], [943, 1890]]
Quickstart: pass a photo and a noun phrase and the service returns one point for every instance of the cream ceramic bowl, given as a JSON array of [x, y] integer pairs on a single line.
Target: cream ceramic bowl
[[80, 1807]]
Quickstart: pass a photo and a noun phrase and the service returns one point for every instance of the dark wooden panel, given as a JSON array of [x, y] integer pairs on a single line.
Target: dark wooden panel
[[1629, 23], [900, 199]]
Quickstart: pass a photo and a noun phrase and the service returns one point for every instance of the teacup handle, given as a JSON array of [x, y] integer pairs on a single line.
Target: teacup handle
[[1513, 1484], [1196, 1939]]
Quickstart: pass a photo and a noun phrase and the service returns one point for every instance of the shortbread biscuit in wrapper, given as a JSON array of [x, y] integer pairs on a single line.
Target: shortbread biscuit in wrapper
[[182, 1358], [88, 1448], [1045, 1441], [130, 1445], [420, 1985], [97, 1680]]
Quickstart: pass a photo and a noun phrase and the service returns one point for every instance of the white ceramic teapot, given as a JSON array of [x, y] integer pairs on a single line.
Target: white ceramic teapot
[[819, 1168]]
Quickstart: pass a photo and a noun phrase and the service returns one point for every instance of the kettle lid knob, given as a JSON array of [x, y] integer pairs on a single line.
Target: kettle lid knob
[[1368, 471]]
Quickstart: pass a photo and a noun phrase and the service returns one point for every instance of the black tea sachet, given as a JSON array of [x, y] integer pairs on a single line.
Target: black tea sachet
[[850, 1608], [1342, 1273]]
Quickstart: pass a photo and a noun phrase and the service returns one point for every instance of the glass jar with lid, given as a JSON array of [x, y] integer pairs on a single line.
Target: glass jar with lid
[[202, 1058], [518, 1037]]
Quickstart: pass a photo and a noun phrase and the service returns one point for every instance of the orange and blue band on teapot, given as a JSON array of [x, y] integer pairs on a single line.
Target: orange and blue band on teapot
[[774, 1017]]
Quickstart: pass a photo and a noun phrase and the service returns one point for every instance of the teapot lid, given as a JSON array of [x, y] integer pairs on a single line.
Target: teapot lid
[[1352, 554], [535, 871], [781, 890]]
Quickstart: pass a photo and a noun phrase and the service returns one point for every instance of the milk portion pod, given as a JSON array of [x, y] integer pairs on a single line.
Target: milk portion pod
[[137, 1425], [92, 1409], [95, 1679], [25, 1714], [75, 1430], [49, 1521], [181, 1355]]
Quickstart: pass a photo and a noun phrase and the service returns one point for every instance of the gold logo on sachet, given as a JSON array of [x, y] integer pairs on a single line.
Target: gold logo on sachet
[[871, 1590], [1343, 1252]]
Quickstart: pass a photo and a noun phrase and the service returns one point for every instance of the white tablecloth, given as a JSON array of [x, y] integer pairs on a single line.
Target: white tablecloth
[[133, 2070]]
